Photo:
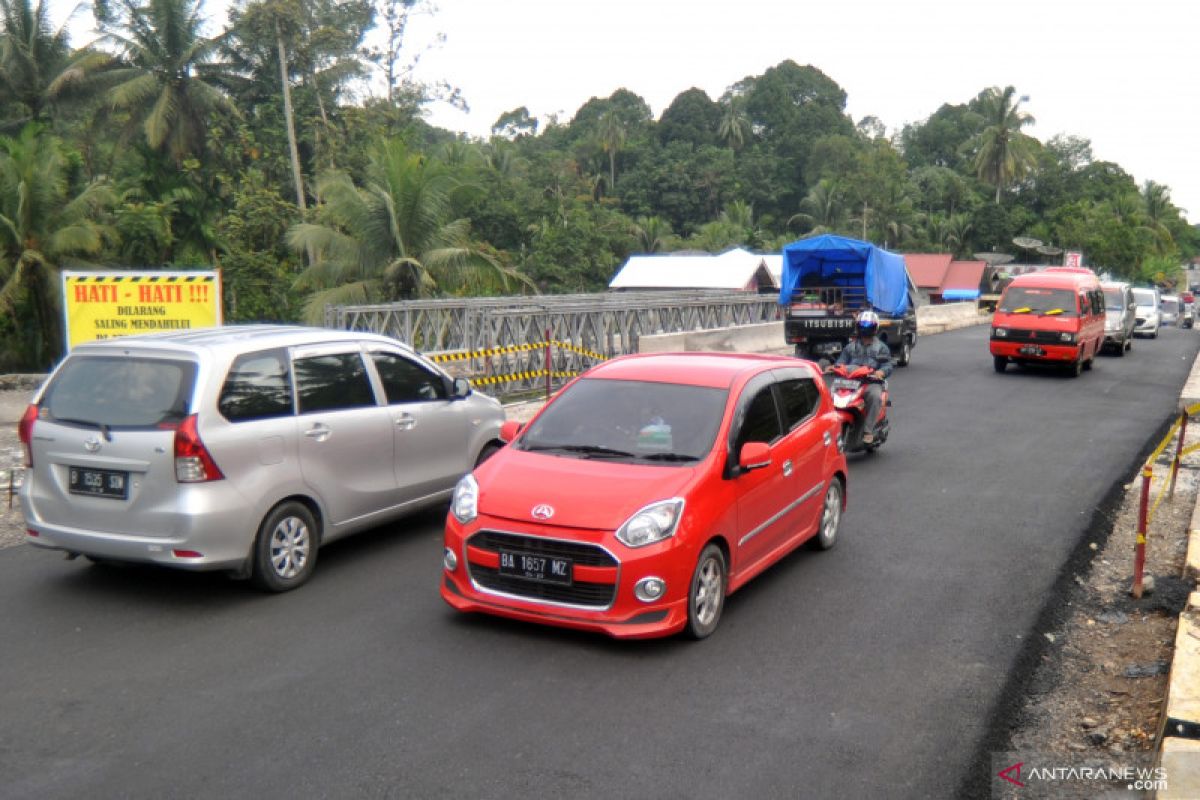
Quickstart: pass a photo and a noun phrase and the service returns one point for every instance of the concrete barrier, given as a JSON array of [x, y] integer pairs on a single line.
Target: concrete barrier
[[762, 337], [949, 316], [767, 337], [1179, 750]]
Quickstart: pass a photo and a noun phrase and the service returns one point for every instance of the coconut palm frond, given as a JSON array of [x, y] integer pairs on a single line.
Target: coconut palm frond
[[357, 293]]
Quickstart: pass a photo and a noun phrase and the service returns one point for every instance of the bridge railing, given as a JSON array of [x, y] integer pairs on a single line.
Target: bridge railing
[[499, 342]]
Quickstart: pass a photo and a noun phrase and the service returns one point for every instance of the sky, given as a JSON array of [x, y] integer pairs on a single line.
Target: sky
[[1125, 75]]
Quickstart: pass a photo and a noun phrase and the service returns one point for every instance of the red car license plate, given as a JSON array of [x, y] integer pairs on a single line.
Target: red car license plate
[[1032, 350], [543, 569]]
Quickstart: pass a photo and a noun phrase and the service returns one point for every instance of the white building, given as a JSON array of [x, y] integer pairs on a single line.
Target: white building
[[733, 270]]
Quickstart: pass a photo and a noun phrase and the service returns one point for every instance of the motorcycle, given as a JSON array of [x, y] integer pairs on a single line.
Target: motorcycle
[[848, 385]]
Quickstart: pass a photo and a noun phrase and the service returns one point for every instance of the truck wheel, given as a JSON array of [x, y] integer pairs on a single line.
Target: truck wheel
[[801, 351], [999, 363], [905, 353]]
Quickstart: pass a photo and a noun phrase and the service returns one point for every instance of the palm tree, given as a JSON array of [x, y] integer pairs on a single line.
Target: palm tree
[[392, 237], [168, 72], [612, 135], [1002, 152], [734, 127], [1157, 205], [653, 234], [44, 223], [823, 208], [36, 65]]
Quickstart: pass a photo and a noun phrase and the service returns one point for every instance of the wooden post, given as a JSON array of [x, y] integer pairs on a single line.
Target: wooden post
[[1183, 420], [1139, 553]]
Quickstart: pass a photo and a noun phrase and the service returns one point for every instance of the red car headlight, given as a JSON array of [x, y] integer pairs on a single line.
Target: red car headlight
[[651, 524]]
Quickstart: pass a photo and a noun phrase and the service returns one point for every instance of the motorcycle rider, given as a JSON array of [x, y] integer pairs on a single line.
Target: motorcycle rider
[[866, 350]]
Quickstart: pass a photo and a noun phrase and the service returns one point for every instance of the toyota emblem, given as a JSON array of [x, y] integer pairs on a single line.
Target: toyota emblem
[[91, 444], [542, 511]]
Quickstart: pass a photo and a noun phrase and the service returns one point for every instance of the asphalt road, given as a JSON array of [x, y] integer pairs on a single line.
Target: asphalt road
[[868, 671]]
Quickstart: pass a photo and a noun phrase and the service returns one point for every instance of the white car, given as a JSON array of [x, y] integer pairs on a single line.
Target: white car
[[1149, 317], [1170, 307]]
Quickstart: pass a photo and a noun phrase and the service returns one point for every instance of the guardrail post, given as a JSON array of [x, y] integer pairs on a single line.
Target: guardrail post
[[1183, 421], [548, 364], [1139, 556]]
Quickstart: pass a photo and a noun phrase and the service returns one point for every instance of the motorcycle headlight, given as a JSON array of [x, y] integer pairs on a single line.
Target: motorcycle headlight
[[1000, 333], [465, 504], [651, 524], [1067, 337]]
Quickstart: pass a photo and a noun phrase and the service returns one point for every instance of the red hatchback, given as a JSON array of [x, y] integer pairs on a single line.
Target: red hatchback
[[647, 491]]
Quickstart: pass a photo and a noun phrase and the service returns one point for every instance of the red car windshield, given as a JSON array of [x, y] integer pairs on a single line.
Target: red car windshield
[[638, 420]]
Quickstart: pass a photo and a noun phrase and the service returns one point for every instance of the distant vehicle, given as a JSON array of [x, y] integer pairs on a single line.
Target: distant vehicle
[[1149, 316], [1169, 304], [1054, 317], [827, 280], [243, 448], [1120, 316], [647, 490]]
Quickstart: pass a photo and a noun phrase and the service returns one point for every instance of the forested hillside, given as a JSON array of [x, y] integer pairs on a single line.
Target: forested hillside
[[275, 152]]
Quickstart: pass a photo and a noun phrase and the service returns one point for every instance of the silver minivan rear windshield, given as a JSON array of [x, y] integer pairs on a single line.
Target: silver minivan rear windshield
[[120, 392]]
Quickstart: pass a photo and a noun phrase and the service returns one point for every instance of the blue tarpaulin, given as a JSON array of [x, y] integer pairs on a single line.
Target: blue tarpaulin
[[960, 294], [840, 261]]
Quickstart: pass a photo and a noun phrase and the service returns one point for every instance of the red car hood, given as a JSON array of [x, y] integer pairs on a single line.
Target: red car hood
[[583, 493]]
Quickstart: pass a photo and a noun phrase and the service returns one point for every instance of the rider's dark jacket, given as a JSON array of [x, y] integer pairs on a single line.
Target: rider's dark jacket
[[875, 355]]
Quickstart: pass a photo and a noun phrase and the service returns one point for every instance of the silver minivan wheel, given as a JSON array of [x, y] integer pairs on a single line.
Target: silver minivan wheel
[[285, 550]]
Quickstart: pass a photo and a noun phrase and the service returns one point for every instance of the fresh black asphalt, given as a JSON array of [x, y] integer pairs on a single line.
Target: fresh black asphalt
[[873, 670]]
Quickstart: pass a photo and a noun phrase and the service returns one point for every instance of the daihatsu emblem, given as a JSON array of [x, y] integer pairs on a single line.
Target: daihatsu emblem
[[91, 444], [542, 511]]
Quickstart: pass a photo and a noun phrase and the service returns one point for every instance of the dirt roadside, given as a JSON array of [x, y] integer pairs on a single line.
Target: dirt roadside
[[1091, 690]]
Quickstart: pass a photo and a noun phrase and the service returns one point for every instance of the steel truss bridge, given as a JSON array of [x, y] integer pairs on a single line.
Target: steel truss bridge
[[500, 343]]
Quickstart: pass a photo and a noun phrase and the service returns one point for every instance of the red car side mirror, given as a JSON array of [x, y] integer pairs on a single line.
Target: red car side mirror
[[509, 430], [754, 455]]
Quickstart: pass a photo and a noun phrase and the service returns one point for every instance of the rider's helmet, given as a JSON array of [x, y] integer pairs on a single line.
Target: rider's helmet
[[866, 323]]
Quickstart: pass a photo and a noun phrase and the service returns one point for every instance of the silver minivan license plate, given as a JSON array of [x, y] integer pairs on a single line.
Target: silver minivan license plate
[[98, 482]]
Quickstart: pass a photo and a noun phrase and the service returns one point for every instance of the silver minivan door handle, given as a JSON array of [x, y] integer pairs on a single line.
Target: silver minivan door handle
[[319, 432], [406, 422]]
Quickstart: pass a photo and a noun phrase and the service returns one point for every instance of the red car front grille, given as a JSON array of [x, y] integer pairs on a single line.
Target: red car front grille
[[588, 594]]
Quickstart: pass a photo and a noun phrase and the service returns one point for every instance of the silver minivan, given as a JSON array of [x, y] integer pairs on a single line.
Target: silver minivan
[[1120, 316], [242, 448]]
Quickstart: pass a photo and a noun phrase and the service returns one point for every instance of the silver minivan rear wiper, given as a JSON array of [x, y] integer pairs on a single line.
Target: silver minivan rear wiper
[[105, 431]]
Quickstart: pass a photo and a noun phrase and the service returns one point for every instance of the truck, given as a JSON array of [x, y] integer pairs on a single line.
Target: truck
[[827, 280]]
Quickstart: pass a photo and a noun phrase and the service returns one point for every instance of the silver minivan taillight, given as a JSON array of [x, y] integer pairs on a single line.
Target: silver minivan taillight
[[25, 432], [193, 462]]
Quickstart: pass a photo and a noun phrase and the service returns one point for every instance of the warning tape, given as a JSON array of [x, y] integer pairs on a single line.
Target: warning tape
[[515, 348], [490, 380], [490, 351]]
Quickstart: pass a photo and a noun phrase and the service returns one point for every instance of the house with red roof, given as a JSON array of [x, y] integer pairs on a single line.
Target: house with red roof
[[939, 278]]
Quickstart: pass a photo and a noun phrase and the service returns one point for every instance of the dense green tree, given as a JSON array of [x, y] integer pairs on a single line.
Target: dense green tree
[[47, 222], [517, 122], [692, 117], [940, 141]]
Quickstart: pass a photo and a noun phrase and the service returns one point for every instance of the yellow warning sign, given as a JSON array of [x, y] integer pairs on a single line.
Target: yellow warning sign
[[104, 305]]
